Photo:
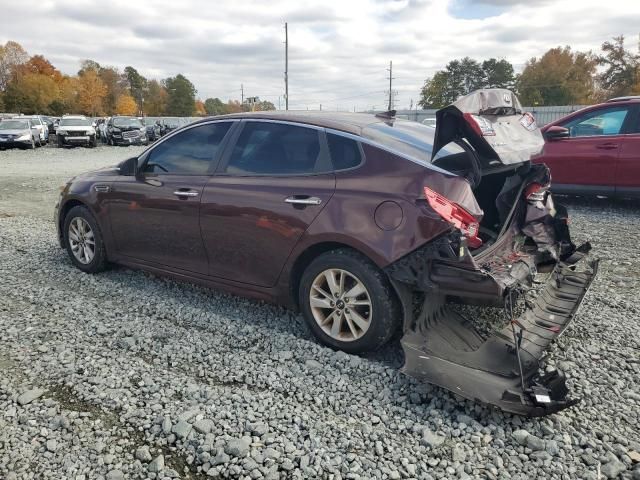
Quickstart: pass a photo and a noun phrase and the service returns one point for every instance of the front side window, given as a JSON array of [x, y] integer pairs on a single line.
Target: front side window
[[189, 152], [599, 122], [266, 148], [345, 152]]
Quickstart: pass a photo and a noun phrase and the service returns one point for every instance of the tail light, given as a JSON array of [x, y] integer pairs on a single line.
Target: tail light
[[456, 216], [535, 192], [480, 125]]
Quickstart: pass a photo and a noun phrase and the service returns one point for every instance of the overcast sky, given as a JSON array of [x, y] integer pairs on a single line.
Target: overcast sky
[[339, 50]]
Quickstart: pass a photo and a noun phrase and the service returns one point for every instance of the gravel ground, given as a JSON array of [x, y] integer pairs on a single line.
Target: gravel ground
[[127, 375]]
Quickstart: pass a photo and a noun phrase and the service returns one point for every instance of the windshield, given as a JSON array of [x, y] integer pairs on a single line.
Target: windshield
[[75, 122], [126, 122], [14, 125], [409, 138]]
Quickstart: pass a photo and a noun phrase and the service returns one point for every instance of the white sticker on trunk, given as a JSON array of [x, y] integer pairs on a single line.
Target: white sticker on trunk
[[528, 121]]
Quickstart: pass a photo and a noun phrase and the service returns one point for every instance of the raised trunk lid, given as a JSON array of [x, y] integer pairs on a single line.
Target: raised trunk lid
[[493, 122]]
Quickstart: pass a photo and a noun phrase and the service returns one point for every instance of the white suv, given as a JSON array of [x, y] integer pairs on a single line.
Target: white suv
[[76, 130]]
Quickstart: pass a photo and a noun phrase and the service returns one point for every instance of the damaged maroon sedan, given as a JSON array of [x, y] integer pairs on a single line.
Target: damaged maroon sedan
[[369, 225]]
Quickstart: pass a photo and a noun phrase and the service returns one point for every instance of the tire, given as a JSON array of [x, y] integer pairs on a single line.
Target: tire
[[98, 262], [382, 314]]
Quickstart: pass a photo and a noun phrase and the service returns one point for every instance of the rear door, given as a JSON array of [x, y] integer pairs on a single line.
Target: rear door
[[628, 171], [155, 216], [586, 162], [272, 183]]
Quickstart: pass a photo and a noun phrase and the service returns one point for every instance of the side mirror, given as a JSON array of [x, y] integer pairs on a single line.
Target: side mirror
[[129, 167], [556, 132]]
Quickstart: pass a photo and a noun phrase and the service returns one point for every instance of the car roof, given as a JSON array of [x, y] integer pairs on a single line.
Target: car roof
[[628, 98], [353, 123]]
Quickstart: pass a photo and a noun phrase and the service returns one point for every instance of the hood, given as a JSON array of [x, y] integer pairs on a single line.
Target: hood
[[493, 123]]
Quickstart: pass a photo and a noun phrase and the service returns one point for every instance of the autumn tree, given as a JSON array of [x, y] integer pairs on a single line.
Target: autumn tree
[[234, 106], [31, 93], [12, 55], [264, 106], [69, 93], [126, 105], [182, 96], [214, 106], [91, 92], [200, 110], [559, 77], [622, 69], [116, 85], [155, 102]]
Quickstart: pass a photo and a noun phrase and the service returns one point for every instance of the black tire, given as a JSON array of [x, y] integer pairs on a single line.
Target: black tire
[[33, 144], [59, 143], [99, 261], [385, 311]]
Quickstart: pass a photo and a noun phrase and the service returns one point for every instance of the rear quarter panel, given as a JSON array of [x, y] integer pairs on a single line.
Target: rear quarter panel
[[350, 216]]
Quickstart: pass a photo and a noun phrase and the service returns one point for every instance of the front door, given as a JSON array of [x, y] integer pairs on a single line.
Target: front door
[[587, 160], [268, 189], [155, 214]]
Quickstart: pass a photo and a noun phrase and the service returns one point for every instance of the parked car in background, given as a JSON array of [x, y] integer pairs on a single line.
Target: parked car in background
[[367, 224], [40, 124], [102, 129], [126, 131], [596, 150], [153, 127], [74, 130], [429, 122], [50, 125], [19, 132], [169, 124]]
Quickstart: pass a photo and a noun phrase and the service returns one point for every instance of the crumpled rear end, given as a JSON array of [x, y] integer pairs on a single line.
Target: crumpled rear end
[[503, 367]]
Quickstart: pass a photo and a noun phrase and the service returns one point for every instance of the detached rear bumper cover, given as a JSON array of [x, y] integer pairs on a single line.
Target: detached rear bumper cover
[[445, 349]]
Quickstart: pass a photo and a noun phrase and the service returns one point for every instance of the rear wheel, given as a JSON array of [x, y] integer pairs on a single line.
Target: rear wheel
[[348, 302], [83, 240]]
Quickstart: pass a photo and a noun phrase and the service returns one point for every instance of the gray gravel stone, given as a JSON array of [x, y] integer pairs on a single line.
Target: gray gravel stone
[[115, 475], [520, 436], [30, 395], [182, 429], [237, 447], [143, 454], [157, 464], [431, 439]]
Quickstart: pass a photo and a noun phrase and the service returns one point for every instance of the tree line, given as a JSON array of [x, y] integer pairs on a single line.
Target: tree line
[[559, 77], [31, 84]]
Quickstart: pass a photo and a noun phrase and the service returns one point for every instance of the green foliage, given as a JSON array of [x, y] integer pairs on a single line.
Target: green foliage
[[622, 69], [181, 96], [137, 84], [559, 77], [463, 76], [214, 106]]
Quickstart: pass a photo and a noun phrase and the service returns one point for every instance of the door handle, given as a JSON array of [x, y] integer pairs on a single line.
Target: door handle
[[300, 200], [185, 193], [607, 146]]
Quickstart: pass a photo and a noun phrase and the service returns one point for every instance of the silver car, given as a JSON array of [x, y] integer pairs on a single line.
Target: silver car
[[38, 122], [19, 132]]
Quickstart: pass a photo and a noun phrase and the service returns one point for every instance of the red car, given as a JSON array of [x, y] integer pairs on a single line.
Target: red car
[[596, 150]]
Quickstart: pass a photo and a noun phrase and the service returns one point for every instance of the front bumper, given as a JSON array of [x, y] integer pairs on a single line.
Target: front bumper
[[76, 140], [140, 140], [4, 143]]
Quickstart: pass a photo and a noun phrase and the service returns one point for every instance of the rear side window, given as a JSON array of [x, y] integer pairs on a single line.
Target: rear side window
[[345, 152], [266, 148], [189, 152]]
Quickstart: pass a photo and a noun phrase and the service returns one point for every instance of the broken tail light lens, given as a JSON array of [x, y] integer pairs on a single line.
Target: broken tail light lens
[[535, 192], [480, 125], [455, 215]]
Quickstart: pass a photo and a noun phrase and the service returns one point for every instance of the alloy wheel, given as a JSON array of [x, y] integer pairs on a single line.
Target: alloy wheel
[[341, 305], [82, 240]]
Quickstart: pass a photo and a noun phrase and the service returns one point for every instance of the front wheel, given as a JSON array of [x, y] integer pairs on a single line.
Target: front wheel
[[348, 302], [83, 240]]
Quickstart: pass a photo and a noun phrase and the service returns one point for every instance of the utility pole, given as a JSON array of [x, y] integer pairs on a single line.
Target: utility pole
[[241, 94], [320, 107], [286, 66], [390, 70]]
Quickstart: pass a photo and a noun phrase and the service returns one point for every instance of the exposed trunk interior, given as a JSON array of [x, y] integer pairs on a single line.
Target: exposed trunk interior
[[487, 181]]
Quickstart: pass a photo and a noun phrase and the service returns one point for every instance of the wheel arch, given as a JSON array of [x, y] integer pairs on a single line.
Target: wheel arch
[[64, 210], [312, 252]]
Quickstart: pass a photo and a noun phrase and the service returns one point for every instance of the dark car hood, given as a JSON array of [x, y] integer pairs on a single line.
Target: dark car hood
[[127, 129], [515, 139]]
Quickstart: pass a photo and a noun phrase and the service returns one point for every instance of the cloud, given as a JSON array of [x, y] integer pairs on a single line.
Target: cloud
[[339, 50]]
